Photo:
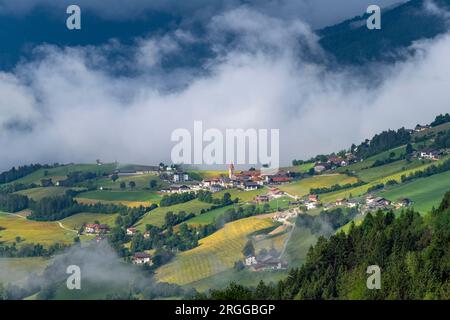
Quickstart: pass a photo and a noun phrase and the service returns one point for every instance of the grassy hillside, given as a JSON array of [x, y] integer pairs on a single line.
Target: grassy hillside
[[432, 131], [297, 247], [375, 173], [156, 217], [45, 233], [142, 181], [208, 217], [216, 253], [302, 187], [78, 220], [60, 173], [128, 198], [425, 192], [207, 174], [367, 163], [332, 196], [243, 277], [244, 196], [303, 168], [21, 268], [41, 192]]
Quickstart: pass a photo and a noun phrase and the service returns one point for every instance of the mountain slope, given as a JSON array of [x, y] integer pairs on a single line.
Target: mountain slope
[[350, 42]]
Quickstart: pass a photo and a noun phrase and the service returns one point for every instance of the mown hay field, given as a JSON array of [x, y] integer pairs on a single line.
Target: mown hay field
[[45, 233], [215, 253]]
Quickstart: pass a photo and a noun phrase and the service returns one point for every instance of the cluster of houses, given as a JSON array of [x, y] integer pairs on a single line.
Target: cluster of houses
[[141, 258], [380, 203], [95, 228], [284, 216], [244, 180], [334, 162], [264, 262], [430, 154]]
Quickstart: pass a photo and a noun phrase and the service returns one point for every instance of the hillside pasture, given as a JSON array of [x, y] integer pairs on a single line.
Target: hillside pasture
[[303, 168], [45, 233], [208, 217], [17, 270], [367, 163], [41, 192], [78, 220], [129, 198], [215, 253], [60, 173], [244, 196], [375, 173], [298, 246], [156, 217], [361, 190], [425, 192], [142, 181], [302, 187], [208, 174]]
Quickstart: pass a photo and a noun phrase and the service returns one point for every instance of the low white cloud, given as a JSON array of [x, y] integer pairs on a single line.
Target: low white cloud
[[79, 111]]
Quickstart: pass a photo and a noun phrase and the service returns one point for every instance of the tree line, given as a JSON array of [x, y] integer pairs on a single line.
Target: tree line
[[382, 142], [20, 172]]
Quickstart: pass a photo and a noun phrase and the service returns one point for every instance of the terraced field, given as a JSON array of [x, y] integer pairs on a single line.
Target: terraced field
[[302, 187], [156, 217], [216, 253], [45, 233]]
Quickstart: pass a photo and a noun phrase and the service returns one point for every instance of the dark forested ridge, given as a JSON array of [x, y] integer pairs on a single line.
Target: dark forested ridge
[[412, 251], [351, 42]]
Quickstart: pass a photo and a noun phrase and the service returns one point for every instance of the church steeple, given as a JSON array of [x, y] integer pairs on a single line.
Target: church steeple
[[231, 171]]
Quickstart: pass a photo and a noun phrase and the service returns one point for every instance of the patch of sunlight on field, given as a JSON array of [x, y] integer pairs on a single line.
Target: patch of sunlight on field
[[45, 233], [215, 253], [244, 196], [302, 187]]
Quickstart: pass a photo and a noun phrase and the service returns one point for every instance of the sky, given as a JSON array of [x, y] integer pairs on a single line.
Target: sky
[[70, 104]]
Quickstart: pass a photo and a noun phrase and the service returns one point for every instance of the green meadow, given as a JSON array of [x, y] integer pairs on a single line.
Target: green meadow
[[156, 217], [425, 192]]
